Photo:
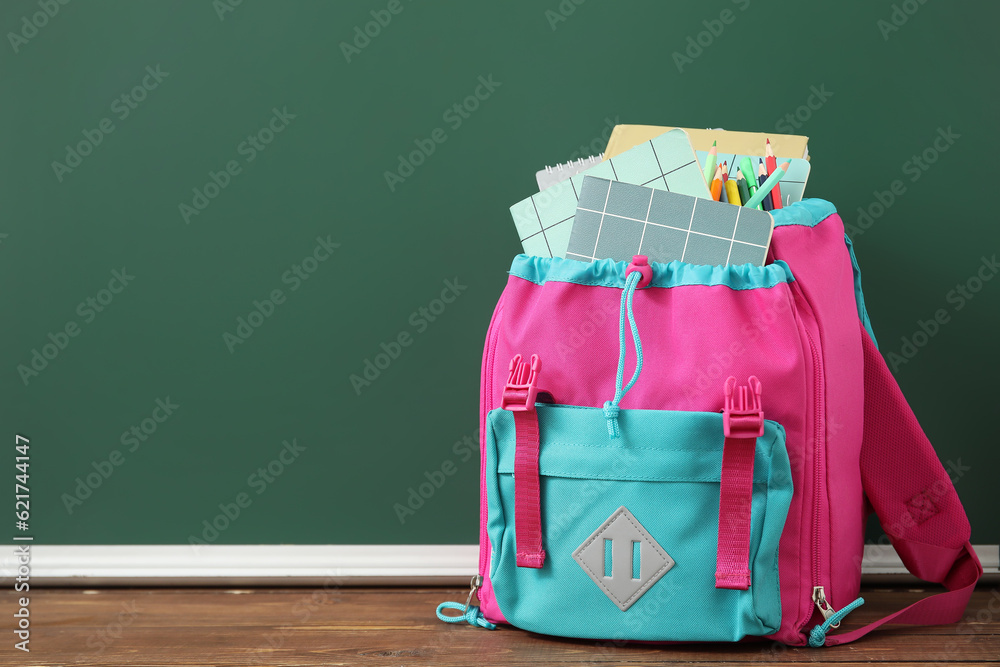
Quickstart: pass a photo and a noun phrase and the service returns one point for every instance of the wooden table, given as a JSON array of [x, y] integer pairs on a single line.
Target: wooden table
[[397, 626]]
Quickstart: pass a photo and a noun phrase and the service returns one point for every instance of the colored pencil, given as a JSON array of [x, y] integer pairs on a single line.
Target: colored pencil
[[709, 170], [717, 184], [741, 185], [725, 171], [772, 164], [766, 188], [733, 192], [746, 168], [761, 177]]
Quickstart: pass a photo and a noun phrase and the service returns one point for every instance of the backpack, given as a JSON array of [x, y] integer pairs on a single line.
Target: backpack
[[679, 452]]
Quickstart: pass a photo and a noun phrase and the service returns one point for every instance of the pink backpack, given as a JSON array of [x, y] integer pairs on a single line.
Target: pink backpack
[[722, 492]]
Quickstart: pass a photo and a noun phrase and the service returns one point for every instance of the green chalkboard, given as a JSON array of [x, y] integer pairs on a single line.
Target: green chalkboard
[[250, 249]]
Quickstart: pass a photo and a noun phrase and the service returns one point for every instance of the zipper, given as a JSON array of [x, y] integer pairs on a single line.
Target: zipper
[[474, 585], [818, 592], [492, 333], [819, 599]]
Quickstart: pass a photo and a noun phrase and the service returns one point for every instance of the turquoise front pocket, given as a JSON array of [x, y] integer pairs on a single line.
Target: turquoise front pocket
[[664, 471]]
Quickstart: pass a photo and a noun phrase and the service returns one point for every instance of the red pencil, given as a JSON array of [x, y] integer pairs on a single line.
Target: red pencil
[[772, 164], [725, 172]]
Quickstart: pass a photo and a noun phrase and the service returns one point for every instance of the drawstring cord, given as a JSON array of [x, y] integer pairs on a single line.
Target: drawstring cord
[[611, 407]]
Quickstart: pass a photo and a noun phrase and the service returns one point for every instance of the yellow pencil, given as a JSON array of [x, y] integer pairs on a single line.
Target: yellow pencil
[[732, 192]]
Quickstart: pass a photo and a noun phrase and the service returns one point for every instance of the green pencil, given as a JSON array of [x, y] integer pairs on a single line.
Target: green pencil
[[746, 168], [766, 187], [709, 170], [741, 185]]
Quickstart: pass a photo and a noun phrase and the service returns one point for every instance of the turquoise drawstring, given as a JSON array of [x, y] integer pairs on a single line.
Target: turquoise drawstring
[[817, 637], [470, 614], [611, 407]]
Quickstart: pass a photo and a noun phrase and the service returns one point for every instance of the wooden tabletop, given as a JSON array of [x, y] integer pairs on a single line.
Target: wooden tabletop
[[397, 626]]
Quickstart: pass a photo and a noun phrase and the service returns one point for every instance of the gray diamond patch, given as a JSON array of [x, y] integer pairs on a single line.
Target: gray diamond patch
[[622, 558]]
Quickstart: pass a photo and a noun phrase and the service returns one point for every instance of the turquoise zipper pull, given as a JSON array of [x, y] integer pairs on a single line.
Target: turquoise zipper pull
[[470, 613], [817, 636]]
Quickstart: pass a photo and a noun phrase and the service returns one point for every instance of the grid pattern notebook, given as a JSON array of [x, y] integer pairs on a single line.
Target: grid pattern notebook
[[793, 183], [618, 220], [544, 221]]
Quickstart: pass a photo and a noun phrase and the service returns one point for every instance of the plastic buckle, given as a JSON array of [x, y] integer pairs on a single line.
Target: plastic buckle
[[742, 416], [640, 263], [522, 384]]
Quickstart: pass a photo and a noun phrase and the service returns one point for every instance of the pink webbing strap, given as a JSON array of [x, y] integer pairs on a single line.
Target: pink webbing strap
[[519, 398], [527, 497], [732, 569], [915, 501], [743, 423]]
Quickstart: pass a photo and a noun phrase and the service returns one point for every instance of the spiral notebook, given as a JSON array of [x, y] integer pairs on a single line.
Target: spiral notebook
[[550, 176]]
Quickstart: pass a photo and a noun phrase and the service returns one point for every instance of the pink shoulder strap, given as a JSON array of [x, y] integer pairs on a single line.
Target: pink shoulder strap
[[915, 501]]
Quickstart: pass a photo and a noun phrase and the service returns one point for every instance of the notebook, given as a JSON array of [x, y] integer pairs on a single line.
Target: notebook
[[544, 221], [618, 220], [793, 183], [549, 176], [624, 137]]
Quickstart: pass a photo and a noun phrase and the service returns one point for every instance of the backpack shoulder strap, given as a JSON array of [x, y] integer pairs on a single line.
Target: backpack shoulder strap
[[915, 501]]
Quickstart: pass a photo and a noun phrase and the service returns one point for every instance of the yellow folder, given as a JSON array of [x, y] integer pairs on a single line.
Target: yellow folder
[[624, 137]]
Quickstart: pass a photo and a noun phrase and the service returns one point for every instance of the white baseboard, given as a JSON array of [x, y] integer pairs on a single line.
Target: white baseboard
[[309, 565]]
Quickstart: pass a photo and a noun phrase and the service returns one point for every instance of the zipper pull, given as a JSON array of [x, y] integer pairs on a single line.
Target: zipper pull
[[819, 599], [472, 615], [474, 585]]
